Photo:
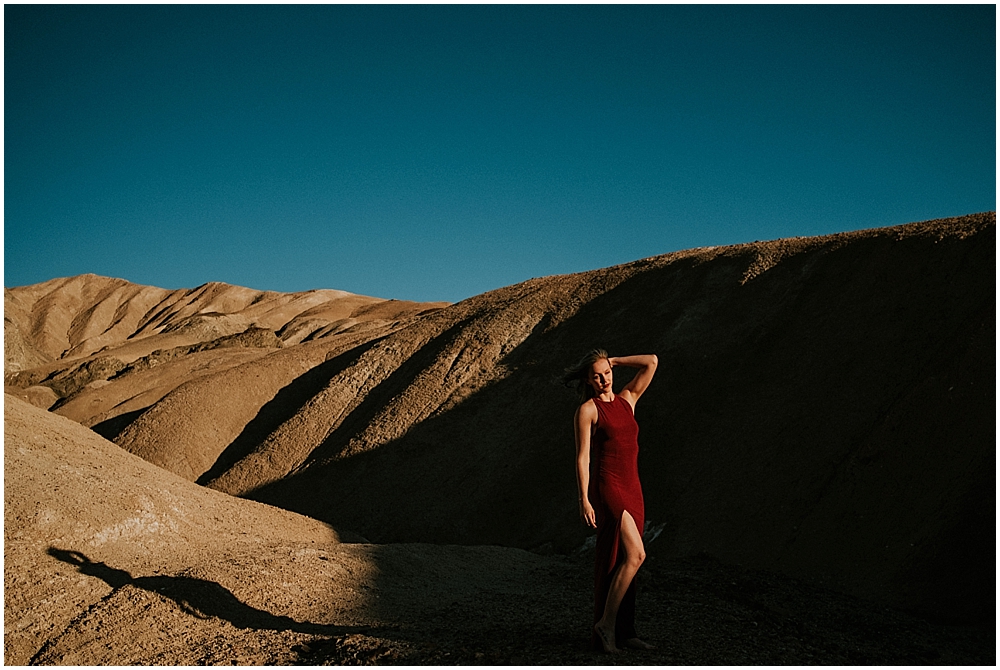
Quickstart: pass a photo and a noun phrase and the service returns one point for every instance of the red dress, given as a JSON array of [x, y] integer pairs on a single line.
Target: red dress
[[614, 488]]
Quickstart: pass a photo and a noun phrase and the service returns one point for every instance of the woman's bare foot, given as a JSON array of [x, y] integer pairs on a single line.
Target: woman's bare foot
[[607, 638], [636, 643]]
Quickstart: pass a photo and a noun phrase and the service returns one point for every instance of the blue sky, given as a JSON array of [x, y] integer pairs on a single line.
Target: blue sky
[[436, 152]]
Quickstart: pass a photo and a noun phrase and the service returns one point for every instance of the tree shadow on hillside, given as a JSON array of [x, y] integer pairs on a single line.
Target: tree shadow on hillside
[[200, 598]]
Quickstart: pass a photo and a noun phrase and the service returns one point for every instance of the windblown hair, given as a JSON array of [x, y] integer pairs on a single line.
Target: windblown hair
[[578, 374]]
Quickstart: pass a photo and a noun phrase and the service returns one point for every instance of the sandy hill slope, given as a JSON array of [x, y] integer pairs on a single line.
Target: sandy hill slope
[[111, 560], [72, 500], [823, 408]]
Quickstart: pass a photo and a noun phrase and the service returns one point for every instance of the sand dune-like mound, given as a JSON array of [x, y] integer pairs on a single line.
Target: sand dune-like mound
[[824, 407], [73, 501], [207, 419]]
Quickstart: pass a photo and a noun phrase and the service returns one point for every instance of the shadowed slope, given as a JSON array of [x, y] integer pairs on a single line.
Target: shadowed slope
[[421, 370], [209, 413], [824, 407]]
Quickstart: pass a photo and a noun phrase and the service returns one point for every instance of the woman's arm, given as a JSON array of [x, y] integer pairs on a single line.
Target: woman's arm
[[647, 367], [586, 414]]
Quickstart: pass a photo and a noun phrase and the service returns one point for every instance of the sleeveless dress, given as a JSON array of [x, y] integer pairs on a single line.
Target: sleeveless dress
[[614, 488]]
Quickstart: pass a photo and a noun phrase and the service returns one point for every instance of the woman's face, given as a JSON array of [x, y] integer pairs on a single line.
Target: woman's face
[[600, 376]]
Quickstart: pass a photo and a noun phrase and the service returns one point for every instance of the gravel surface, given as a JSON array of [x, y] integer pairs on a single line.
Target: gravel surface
[[696, 611]]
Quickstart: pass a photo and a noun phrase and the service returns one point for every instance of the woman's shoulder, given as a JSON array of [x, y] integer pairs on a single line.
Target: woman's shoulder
[[587, 408]]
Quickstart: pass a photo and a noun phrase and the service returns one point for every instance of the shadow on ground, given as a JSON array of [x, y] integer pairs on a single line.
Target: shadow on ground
[[697, 611], [200, 598]]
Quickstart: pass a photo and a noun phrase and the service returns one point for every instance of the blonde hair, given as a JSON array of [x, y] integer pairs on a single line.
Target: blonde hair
[[578, 373]]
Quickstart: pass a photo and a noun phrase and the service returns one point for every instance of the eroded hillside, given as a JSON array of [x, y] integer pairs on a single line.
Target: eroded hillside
[[823, 407]]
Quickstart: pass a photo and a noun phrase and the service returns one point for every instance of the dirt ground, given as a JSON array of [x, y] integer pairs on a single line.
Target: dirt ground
[[521, 610], [696, 611]]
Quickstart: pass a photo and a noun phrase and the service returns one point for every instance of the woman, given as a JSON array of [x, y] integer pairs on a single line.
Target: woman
[[611, 502]]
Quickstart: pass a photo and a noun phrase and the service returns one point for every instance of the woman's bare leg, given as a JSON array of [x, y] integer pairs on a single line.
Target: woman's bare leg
[[635, 554]]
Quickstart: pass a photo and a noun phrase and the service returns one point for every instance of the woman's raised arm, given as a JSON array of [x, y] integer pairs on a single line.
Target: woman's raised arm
[[647, 367]]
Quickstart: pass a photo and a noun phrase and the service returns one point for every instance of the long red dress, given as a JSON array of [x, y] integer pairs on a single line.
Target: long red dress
[[614, 488]]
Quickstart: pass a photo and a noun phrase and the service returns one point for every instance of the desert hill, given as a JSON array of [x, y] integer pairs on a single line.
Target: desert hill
[[111, 560], [824, 407], [69, 493], [67, 339], [72, 319]]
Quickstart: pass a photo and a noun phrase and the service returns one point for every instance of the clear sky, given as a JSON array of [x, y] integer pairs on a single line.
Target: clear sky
[[436, 152]]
